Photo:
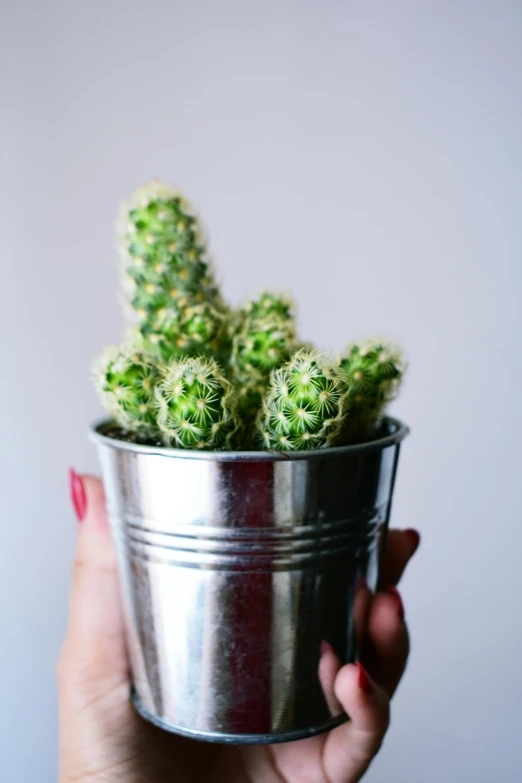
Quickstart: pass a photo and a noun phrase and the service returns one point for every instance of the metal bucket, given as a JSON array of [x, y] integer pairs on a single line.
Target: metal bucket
[[236, 567]]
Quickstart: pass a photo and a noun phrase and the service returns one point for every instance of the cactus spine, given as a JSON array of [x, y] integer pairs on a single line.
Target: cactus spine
[[196, 406], [126, 382], [304, 407], [374, 370]]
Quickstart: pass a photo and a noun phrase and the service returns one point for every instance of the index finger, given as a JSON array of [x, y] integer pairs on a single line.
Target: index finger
[[401, 545]]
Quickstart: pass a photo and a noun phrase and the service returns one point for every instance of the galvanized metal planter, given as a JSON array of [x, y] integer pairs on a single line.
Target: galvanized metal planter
[[235, 568]]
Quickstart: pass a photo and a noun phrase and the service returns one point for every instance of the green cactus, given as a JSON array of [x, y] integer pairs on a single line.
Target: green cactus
[[274, 391], [374, 370], [261, 346], [168, 276], [304, 407], [197, 330], [269, 303], [256, 351], [196, 405], [126, 382], [264, 339]]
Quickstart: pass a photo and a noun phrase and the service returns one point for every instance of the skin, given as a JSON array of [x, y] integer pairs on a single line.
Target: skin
[[103, 740]]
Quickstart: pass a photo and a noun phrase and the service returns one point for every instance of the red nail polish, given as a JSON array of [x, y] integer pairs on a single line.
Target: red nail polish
[[325, 648], [398, 600], [78, 497], [414, 537], [363, 681]]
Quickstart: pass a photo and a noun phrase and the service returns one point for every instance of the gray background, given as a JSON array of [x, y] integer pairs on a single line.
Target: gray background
[[365, 155]]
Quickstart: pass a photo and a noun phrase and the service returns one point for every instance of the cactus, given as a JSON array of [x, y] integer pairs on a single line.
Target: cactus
[[264, 339], [256, 351], [194, 374], [196, 405], [304, 407], [167, 273], [197, 330], [374, 370], [261, 346], [268, 303], [162, 247], [126, 383]]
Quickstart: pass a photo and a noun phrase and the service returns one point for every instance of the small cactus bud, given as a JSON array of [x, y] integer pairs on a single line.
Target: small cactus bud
[[304, 404], [196, 405], [262, 345], [263, 338], [374, 370], [268, 303], [126, 382], [176, 332]]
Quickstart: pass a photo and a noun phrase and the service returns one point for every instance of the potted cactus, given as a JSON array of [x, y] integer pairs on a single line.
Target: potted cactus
[[249, 480]]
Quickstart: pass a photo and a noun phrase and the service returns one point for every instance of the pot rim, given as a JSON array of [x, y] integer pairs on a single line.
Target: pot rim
[[397, 432]]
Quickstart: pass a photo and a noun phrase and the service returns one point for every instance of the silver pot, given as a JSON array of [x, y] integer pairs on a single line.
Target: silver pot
[[236, 567]]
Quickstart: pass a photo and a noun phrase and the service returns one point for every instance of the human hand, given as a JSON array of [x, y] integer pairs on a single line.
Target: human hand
[[103, 739]]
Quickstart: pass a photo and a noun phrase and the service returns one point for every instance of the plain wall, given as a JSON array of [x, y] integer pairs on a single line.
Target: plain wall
[[365, 155]]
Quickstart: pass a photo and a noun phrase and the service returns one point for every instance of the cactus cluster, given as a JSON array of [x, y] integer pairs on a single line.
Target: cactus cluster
[[194, 373]]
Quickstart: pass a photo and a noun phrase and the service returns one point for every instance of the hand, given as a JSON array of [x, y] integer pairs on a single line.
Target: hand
[[102, 738]]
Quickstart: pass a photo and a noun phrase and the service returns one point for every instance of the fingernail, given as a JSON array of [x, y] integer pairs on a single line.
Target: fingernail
[[363, 681], [414, 537], [78, 497], [398, 600], [360, 583], [325, 648]]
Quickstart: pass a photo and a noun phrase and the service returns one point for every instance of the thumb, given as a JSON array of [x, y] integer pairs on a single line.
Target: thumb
[[93, 680], [94, 653]]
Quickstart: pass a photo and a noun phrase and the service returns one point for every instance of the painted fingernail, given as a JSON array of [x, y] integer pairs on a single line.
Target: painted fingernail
[[325, 648], [398, 600], [78, 496], [413, 536], [363, 681]]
